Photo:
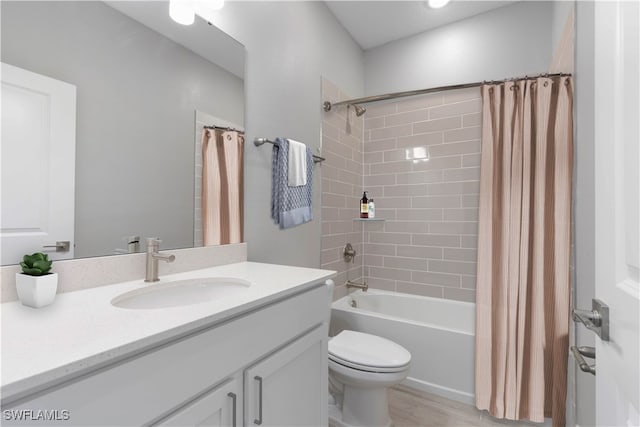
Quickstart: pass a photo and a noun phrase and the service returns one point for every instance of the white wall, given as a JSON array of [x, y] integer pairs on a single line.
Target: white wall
[[584, 201], [506, 42], [290, 45]]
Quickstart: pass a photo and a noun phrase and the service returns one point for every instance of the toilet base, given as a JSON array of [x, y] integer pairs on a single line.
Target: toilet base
[[335, 418]]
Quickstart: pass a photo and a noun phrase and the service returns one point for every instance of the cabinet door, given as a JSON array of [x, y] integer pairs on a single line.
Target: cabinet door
[[289, 388], [219, 407]]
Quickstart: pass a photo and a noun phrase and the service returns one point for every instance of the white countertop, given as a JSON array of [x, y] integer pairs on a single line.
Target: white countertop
[[82, 329]]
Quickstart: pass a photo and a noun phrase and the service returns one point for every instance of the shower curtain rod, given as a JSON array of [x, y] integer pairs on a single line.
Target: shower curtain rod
[[224, 128], [328, 105]]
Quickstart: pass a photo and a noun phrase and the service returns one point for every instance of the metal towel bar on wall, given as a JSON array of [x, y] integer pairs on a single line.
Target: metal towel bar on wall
[[260, 141]]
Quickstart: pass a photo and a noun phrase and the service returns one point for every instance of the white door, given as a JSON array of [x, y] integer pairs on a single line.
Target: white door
[[289, 388], [617, 195], [221, 407], [38, 165]]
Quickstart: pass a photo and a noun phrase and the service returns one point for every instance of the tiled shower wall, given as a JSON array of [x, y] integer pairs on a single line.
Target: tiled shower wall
[[342, 134], [427, 245]]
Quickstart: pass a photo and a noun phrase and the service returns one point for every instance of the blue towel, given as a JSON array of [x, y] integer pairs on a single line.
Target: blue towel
[[290, 206]]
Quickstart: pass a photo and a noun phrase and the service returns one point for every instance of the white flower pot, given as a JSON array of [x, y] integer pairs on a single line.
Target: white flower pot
[[36, 291]]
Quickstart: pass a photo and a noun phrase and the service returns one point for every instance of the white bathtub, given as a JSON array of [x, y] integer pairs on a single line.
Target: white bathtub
[[439, 333]]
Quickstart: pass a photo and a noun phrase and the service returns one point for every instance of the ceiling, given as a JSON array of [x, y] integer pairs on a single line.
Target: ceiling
[[374, 23]]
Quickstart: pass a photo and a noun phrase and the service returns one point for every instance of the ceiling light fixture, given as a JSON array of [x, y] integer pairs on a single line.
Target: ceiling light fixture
[[206, 8], [181, 11], [184, 11], [437, 4]]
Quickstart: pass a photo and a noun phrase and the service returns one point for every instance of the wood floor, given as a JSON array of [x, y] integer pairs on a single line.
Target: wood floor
[[414, 408]]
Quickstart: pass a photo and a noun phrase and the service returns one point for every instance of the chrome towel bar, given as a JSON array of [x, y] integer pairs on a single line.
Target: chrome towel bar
[[260, 141]]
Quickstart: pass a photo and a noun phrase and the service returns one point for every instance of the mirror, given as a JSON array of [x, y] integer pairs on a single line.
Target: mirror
[[141, 79]]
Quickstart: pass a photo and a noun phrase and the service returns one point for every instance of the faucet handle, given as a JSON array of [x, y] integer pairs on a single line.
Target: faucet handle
[[153, 241]]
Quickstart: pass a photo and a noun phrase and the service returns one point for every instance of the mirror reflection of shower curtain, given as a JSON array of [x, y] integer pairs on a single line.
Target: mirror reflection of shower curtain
[[222, 186]]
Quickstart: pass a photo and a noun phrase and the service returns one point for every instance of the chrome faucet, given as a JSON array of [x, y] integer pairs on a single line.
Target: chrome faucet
[[357, 285], [153, 244]]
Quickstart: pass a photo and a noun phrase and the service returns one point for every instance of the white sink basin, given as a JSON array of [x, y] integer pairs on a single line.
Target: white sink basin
[[181, 293]]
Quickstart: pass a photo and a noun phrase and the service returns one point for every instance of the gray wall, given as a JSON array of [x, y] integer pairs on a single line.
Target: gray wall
[[290, 45], [559, 13], [584, 193], [506, 42], [136, 96]]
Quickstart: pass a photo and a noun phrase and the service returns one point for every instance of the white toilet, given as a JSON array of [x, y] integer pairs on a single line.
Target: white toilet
[[361, 367]]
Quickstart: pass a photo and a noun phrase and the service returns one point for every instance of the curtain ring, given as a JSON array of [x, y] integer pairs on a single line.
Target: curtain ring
[[511, 88], [546, 84], [228, 137], [566, 82]]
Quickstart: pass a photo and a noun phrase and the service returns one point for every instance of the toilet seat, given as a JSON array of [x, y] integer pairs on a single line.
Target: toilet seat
[[369, 353]]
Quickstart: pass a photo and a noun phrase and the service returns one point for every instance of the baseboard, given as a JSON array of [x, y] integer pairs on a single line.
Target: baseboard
[[449, 393]]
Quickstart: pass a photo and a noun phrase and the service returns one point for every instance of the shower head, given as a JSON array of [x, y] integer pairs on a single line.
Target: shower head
[[360, 110]]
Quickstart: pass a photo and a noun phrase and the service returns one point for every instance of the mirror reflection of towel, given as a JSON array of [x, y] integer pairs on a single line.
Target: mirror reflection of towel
[[297, 163]]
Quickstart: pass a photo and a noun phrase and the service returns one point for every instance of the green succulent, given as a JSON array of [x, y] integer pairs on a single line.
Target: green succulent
[[37, 264]]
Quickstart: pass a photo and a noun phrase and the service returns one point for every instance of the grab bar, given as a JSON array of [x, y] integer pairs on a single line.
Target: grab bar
[[260, 141]]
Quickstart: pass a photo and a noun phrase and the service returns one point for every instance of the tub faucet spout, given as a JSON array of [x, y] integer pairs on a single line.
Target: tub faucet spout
[[362, 286], [153, 245]]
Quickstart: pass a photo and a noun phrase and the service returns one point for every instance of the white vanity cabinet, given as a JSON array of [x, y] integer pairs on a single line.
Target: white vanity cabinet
[[289, 388], [219, 407], [198, 377]]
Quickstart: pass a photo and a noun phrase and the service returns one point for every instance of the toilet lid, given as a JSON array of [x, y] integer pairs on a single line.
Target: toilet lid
[[358, 349]]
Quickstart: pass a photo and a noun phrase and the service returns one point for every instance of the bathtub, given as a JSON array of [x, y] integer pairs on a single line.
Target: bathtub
[[439, 333]]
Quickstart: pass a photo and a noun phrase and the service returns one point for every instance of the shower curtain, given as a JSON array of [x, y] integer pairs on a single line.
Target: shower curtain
[[222, 186], [524, 244]]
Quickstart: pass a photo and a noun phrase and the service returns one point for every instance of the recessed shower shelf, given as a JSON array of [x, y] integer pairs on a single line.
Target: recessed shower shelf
[[368, 219]]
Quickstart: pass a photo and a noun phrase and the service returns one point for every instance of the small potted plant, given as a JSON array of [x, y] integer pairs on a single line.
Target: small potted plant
[[36, 285]]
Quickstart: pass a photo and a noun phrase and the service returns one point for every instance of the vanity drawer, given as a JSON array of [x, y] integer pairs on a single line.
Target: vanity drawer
[[148, 386]]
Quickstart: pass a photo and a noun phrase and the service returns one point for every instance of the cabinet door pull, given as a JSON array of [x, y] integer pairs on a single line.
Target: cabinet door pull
[[258, 420], [233, 408]]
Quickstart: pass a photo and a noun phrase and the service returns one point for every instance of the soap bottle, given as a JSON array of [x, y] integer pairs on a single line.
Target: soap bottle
[[372, 209], [364, 206]]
